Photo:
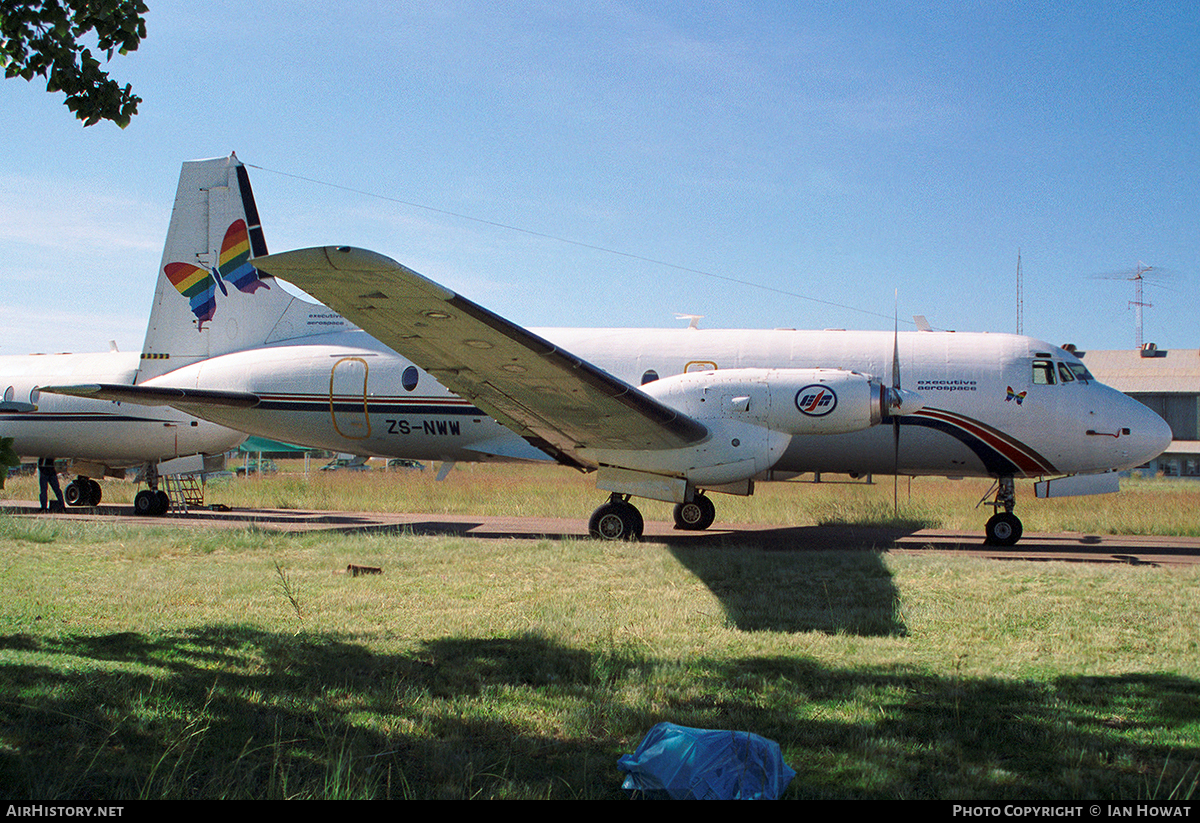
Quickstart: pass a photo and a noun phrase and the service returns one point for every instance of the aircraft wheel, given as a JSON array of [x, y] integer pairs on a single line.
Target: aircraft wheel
[[75, 494], [164, 503], [94, 493], [616, 520], [1003, 529], [695, 516], [145, 503]]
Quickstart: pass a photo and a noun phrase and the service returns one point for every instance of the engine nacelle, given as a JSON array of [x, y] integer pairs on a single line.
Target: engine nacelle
[[751, 416], [824, 401], [791, 401]]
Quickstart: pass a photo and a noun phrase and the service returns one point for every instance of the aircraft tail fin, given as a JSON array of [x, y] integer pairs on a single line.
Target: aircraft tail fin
[[210, 299]]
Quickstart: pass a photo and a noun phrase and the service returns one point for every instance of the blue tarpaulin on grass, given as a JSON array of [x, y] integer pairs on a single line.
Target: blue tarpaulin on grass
[[682, 763]]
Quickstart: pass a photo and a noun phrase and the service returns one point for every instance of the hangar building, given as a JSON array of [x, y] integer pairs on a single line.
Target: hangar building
[[1167, 381]]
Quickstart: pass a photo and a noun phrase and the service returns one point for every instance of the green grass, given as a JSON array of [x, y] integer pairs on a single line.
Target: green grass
[[1155, 506], [140, 662]]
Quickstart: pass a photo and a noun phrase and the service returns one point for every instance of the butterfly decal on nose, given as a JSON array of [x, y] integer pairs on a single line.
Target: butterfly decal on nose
[[1018, 396], [200, 285]]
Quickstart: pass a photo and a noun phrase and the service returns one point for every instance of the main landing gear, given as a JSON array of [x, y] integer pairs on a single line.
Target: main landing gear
[[618, 519], [1004, 528], [695, 515], [82, 491]]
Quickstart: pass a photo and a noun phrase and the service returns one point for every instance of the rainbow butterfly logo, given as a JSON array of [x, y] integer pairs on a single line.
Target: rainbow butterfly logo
[[200, 285], [1018, 396]]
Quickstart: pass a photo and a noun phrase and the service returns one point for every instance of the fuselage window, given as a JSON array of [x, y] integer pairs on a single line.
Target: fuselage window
[[34, 394], [1043, 373], [8, 394], [649, 377], [409, 378], [1064, 374]]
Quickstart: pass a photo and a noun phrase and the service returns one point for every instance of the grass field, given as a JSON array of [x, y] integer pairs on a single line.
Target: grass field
[[1157, 506], [159, 662]]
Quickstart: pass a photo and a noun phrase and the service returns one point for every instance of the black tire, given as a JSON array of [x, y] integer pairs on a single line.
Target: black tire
[[616, 520], [695, 516], [145, 503], [164, 503], [75, 494], [94, 493], [636, 522], [1003, 529]]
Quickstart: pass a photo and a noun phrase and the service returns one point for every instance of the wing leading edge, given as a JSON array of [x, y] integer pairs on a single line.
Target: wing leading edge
[[554, 399]]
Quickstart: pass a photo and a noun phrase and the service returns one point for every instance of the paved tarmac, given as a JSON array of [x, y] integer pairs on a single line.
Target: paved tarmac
[[1061, 546]]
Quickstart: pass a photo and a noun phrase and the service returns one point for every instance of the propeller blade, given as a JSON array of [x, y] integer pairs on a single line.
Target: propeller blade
[[896, 401]]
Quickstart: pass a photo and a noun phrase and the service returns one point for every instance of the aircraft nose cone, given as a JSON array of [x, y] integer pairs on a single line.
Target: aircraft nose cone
[[1155, 435], [1148, 434]]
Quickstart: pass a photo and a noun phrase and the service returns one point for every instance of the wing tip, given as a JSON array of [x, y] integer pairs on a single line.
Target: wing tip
[[303, 266]]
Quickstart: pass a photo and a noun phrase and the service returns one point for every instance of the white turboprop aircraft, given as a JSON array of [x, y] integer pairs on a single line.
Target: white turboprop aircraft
[[669, 415]]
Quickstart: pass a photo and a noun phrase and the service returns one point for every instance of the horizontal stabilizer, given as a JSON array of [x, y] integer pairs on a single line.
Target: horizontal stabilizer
[[158, 395]]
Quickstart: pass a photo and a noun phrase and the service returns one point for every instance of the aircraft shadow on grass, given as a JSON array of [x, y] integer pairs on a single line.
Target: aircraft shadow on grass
[[232, 711], [789, 579], [835, 592], [792, 579]]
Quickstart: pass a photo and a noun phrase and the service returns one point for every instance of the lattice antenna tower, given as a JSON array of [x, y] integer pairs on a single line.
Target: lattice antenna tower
[[1139, 277], [1138, 303]]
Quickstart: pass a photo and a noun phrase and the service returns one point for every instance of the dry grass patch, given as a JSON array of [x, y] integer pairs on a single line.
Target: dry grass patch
[[1156, 506]]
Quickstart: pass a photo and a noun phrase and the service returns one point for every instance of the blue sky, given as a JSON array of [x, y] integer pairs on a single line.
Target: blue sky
[[786, 164]]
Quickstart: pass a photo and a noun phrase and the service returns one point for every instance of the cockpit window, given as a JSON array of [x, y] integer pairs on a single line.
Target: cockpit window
[[1080, 371], [1064, 374], [1043, 373]]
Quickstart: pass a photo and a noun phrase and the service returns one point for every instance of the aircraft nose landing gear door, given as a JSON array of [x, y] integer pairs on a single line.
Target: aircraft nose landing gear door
[[348, 398]]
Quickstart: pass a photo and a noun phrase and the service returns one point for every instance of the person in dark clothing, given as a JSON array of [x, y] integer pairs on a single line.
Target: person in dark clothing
[[48, 479]]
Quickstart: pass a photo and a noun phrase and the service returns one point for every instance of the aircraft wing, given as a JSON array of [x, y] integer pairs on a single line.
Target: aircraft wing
[[555, 400], [158, 395]]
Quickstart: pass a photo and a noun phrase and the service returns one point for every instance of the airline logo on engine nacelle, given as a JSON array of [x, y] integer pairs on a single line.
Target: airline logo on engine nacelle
[[816, 400]]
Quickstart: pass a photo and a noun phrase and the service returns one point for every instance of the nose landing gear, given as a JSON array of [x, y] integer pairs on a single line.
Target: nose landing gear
[[151, 502], [1003, 528]]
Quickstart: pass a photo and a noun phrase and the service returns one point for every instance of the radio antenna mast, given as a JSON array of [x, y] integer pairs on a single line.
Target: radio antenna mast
[[1020, 297]]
